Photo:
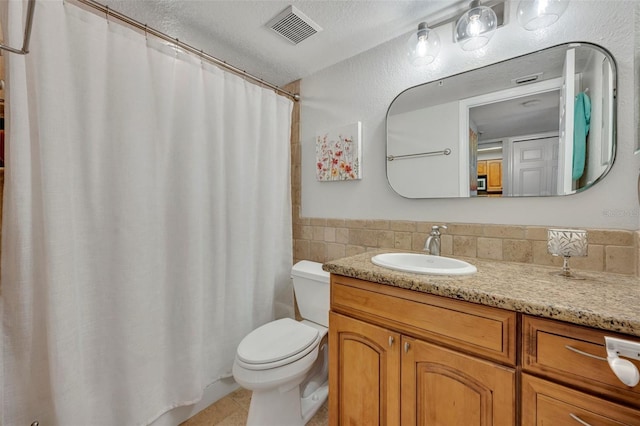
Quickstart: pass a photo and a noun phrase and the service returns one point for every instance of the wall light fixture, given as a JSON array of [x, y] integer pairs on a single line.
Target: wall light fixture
[[475, 27], [536, 14], [423, 45]]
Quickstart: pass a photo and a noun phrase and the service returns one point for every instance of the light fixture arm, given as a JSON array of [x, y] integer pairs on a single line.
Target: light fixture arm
[[422, 29], [474, 4]]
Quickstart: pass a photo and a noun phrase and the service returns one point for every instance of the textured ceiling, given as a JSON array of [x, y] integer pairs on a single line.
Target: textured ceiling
[[235, 31]]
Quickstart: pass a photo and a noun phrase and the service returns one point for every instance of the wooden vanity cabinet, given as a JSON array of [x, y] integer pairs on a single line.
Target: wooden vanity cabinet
[[403, 357], [398, 356], [574, 382]]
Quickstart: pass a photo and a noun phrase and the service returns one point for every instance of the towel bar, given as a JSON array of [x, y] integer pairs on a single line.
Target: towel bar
[[445, 151]]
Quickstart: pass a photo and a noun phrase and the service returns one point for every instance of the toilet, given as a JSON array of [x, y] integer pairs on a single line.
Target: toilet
[[285, 362]]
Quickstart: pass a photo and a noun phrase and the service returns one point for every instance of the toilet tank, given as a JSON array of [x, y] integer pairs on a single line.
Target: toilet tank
[[311, 286]]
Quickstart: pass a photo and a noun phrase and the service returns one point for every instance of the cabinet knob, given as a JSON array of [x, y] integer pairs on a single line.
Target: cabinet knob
[[406, 347], [391, 340]]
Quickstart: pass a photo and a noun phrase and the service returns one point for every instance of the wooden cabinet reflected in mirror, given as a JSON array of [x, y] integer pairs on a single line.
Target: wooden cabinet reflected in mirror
[[490, 178]]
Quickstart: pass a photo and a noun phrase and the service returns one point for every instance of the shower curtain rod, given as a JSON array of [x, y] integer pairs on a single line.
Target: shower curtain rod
[[27, 32], [148, 30]]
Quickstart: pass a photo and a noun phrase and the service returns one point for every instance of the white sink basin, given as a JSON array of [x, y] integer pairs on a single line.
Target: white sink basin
[[423, 264]]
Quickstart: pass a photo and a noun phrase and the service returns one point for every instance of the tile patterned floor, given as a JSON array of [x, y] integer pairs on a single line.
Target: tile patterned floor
[[232, 411]]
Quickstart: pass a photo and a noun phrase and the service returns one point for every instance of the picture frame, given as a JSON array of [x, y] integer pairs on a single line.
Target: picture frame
[[339, 153]]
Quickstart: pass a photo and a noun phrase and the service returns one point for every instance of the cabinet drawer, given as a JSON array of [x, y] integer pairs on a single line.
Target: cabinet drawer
[[550, 348], [546, 403], [469, 327]]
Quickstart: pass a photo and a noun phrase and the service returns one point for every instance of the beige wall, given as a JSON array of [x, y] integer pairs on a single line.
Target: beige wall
[[320, 239]]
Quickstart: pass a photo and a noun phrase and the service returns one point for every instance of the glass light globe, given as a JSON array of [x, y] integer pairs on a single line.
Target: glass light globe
[[536, 14], [475, 27], [423, 46]]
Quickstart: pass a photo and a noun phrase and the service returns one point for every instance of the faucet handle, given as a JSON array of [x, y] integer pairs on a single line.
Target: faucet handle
[[435, 229]]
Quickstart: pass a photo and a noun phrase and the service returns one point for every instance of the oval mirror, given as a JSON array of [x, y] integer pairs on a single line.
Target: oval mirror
[[537, 125]]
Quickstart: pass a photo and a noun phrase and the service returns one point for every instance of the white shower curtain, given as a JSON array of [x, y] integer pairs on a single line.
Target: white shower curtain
[[147, 222]]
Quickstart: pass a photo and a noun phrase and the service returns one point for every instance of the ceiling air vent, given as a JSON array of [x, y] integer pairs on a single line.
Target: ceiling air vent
[[293, 25]]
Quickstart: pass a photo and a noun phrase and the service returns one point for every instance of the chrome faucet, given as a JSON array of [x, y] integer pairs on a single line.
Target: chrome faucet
[[432, 245]]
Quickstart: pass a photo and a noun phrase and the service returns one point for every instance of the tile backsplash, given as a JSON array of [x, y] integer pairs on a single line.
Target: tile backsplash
[[323, 239]]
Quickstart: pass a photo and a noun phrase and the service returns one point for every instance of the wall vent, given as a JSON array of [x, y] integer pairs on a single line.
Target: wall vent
[[293, 25], [527, 78]]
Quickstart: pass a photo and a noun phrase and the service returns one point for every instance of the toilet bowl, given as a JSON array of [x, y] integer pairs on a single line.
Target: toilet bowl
[[285, 362]]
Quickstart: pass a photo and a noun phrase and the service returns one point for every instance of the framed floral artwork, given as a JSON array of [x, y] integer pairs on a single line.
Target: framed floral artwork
[[338, 153]]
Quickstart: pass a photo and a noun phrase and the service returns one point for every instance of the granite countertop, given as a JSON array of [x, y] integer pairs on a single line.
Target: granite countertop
[[602, 300]]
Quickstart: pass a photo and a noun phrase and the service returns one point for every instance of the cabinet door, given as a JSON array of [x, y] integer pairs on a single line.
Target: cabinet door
[[443, 387], [482, 167], [546, 403], [364, 373], [494, 175]]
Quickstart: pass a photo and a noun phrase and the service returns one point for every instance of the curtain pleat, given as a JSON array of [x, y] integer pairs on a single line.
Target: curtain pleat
[[147, 222]]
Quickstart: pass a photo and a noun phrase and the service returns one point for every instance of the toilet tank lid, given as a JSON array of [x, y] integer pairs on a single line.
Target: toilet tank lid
[[311, 270]]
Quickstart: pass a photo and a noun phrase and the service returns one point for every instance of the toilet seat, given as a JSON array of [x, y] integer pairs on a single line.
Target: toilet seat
[[276, 344]]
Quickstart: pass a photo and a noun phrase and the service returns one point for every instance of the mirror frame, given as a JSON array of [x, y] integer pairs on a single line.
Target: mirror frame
[[464, 152]]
